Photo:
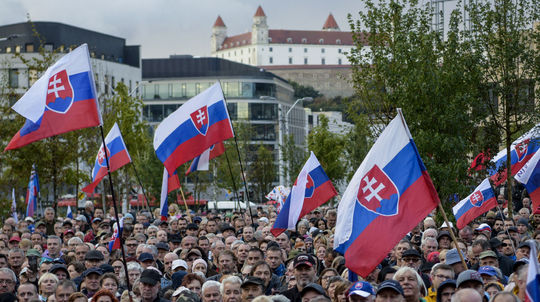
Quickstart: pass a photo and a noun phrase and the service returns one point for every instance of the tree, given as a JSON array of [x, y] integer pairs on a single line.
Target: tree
[[328, 147], [301, 91], [262, 172], [293, 156]]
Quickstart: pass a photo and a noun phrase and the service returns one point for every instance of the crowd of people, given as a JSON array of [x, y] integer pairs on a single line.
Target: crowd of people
[[233, 256]]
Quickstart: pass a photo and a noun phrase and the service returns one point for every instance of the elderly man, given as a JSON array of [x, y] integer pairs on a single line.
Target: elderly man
[[149, 286], [64, 289], [54, 245], [27, 292], [210, 292], [230, 289], [7, 281], [252, 287]]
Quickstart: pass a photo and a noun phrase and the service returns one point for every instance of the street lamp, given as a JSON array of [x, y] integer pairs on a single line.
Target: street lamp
[[304, 99]]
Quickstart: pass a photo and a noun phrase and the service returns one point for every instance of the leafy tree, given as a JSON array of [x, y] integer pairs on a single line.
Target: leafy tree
[[301, 91], [262, 172], [294, 158]]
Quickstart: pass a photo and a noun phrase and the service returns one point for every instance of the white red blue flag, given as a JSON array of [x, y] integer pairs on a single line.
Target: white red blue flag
[[389, 194], [477, 203], [532, 289], [521, 151], [32, 193], [69, 213], [115, 242], [529, 175], [14, 206], [118, 157], [311, 189], [62, 100], [169, 183], [193, 128], [201, 162], [278, 194]]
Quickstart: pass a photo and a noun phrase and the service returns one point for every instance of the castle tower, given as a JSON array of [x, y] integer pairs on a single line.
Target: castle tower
[[259, 29], [330, 24], [219, 33]]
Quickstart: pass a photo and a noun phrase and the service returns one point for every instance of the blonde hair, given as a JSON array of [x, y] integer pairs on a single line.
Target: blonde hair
[[47, 276]]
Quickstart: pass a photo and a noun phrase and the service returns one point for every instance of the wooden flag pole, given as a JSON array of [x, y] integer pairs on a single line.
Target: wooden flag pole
[[185, 204], [452, 235], [115, 208]]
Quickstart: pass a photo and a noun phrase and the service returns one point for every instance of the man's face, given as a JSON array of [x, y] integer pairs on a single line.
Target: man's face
[[131, 246], [49, 215], [283, 241], [53, 245], [189, 242], [440, 276], [400, 248], [148, 292], [36, 239], [263, 273], [508, 223], [507, 248], [98, 213], [204, 244], [498, 225], [247, 233], [231, 292], [168, 260], [138, 228], [242, 252], [389, 295], [211, 227], [489, 261], [15, 259], [27, 292], [273, 258], [523, 252], [250, 292], [522, 229], [151, 232], [182, 224], [429, 246], [253, 257], [304, 275], [446, 294], [331, 221], [211, 294], [162, 236], [218, 248], [411, 261], [62, 293], [3, 262], [7, 285], [226, 264], [92, 263]]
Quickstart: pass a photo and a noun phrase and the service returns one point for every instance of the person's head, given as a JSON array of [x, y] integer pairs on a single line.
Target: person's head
[[210, 291], [27, 292], [493, 288], [488, 258], [231, 289], [411, 282], [411, 258], [274, 257], [54, 244], [227, 262], [389, 291], [104, 295], [470, 279], [439, 273], [325, 275], [466, 295], [49, 214], [7, 281], [361, 291], [91, 279], [193, 282], [47, 284], [429, 245], [504, 297], [251, 288], [305, 268], [262, 271], [16, 257], [64, 289], [149, 284], [110, 282], [77, 297]]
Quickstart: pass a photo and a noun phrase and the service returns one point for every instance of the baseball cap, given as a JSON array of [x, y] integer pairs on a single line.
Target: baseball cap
[[40, 223], [519, 263], [197, 219], [315, 287], [33, 252], [192, 226], [524, 244], [390, 284], [145, 257], [93, 270], [469, 275], [483, 227], [488, 253], [97, 219], [179, 263], [194, 251], [68, 231], [150, 276], [252, 280], [512, 229], [28, 218], [15, 238], [443, 233], [495, 243], [411, 253], [57, 267], [94, 255], [81, 218], [487, 270], [361, 288], [304, 259], [523, 221], [162, 246]]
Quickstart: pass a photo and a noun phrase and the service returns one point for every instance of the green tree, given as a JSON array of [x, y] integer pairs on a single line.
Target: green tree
[[301, 91], [329, 149], [294, 157], [262, 172]]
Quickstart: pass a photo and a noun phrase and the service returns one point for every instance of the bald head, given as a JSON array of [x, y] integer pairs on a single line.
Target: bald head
[[466, 295]]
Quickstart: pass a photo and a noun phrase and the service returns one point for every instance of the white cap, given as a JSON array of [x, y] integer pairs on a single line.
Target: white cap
[[28, 218], [179, 290], [444, 225], [179, 263]]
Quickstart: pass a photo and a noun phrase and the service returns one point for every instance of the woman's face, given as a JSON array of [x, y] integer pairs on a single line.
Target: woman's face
[[321, 225], [195, 286], [133, 275], [409, 284], [263, 272], [321, 252], [332, 288], [492, 290], [110, 285], [199, 268], [104, 298], [325, 277], [48, 286], [302, 229]]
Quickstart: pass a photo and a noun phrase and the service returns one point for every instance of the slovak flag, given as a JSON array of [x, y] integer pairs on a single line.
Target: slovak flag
[[521, 151], [480, 201], [389, 194], [32, 193], [201, 162], [118, 157], [193, 128], [168, 184], [311, 189], [532, 289], [62, 100], [69, 214], [14, 206], [115, 242], [529, 175]]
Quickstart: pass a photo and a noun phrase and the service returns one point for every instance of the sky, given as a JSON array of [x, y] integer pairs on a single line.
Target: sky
[[166, 27]]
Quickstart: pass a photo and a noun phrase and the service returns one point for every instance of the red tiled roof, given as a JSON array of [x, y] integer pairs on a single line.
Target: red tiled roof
[[284, 36], [238, 40], [259, 12], [283, 67], [330, 23], [219, 22]]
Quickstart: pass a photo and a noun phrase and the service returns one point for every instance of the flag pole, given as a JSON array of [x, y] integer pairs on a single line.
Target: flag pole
[[452, 235], [144, 192], [185, 204], [232, 179], [244, 179], [120, 231]]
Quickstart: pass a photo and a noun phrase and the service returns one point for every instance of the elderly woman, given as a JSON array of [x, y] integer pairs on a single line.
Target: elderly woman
[[193, 282], [200, 265], [47, 286], [134, 272], [412, 284], [110, 282]]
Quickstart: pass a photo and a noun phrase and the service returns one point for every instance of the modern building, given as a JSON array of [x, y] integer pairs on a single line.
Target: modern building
[[252, 94], [112, 60], [336, 124], [309, 57]]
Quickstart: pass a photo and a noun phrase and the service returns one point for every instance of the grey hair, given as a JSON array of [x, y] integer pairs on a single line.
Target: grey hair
[[131, 266], [152, 247], [280, 298], [231, 280], [9, 272], [55, 237], [406, 269], [303, 222], [16, 250], [75, 240], [210, 283], [425, 240], [235, 243]]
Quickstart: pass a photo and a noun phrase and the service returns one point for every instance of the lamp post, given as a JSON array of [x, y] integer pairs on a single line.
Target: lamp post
[[304, 99]]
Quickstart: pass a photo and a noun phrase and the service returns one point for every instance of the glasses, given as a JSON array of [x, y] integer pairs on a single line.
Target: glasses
[[505, 244]]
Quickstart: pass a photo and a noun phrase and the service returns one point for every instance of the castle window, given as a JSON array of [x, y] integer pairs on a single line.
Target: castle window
[[270, 49], [338, 41], [304, 40], [271, 60], [305, 61], [305, 50], [290, 60], [323, 61], [321, 41], [290, 49], [289, 40], [339, 50], [339, 61], [322, 50]]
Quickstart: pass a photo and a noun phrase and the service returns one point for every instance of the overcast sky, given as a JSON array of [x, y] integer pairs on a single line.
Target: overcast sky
[[164, 27]]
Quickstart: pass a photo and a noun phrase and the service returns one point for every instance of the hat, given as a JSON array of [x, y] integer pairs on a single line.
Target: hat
[[390, 284], [179, 263], [106, 268], [361, 288], [488, 270], [512, 229], [150, 276], [523, 221], [23, 271], [483, 227], [69, 231], [81, 218], [94, 255], [444, 225], [129, 216], [194, 251], [443, 233], [315, 287], [93, 270], [162, 246], [253, 280], [197, 219], [227, 227], [28, 218], [491, 214], [192, 226], [446, 283], [488, 253], [57, 267], [524, 244], [161, 222], [304, 259], [15, 238], [67, 222], [519, 264], [145, 257], [199, 261], [411, 253], [495, 242], [40, 223], [33, 252], [97, 219], [469, 275], [175, 239], [452, 257], [263, 219]]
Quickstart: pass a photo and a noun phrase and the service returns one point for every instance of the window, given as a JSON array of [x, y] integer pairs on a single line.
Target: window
[[322, 61], [261, 111], [305, 50], [8, 49], [321, 41], [290, 60], [271, 60], [338, 41], [339, 50], [304, 40], [18, 49], [290, 49], [305, 60], [13, 78], [289, 40], [322, 50], [29, 47], [269, 39], [270, 49], [339, 61], [48, 47]]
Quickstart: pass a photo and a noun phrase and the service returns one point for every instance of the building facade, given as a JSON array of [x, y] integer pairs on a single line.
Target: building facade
[[252, 95]]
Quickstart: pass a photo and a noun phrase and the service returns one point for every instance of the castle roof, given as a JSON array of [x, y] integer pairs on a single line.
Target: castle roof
[[259, 12], [330, 23], [219, 22]]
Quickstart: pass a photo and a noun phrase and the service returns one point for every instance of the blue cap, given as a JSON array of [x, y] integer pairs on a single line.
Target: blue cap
[[146, 256], [361, 288], [391, 284], [487, 270]]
